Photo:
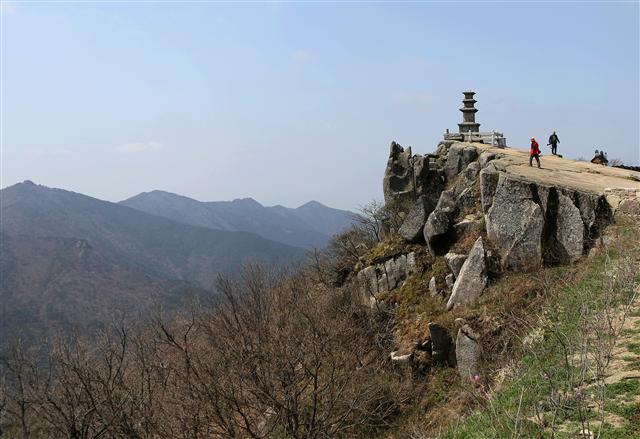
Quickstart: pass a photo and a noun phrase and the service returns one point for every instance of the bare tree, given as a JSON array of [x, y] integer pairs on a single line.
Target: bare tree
[[19, 376], [379, 220], [616, 162], [280, 357], [371, 220]]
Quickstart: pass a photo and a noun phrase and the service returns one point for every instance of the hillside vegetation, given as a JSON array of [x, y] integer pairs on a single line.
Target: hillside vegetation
[[72, 262], [480, 301], [52, 284]]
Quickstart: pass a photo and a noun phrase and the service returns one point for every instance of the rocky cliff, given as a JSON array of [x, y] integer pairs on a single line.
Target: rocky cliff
[[482, 212]]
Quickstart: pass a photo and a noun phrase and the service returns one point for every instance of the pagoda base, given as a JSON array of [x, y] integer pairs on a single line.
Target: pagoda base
[[465, 127]]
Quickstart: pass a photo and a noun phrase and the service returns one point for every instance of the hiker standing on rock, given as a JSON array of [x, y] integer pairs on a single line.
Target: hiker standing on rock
[[553, 141], [534, 152]]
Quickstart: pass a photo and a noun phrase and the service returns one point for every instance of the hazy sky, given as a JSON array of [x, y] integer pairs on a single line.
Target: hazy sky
[[288, 102]]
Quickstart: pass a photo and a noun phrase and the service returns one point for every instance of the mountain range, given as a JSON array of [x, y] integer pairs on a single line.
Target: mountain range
[[310, 225], [67, 259]]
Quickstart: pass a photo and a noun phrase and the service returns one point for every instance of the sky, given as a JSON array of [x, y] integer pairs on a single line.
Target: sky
[[289, 102]]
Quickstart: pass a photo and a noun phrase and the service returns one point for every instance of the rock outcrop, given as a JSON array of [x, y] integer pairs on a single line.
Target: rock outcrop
[[472, 278], [407, 177], [459, 157], [531, 216], [470, 173], [485, 158], [488, 183], [413, 224], [455, 262], [515, 223], [386, 276], [399, 175], [616, 196], [630, 207], [447, 202], [524, 217], [570, 229], [436, 231], [532, 223]]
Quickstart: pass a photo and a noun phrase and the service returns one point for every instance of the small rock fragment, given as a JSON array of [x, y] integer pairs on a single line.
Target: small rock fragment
[[455, 262], [441, 344], [450, 280], [433, 289], [468, 352]]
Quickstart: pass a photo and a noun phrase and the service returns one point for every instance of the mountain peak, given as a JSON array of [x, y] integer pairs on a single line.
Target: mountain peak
[[155, 194], [27, 184], [23, 188], [247, 202], [313, 204]]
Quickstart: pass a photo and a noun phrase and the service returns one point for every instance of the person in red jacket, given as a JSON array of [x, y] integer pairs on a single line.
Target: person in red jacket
[[534, 152]]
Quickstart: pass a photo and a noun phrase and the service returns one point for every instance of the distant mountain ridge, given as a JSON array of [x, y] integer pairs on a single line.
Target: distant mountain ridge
[[154, 244], [310, 225], [68, 260]]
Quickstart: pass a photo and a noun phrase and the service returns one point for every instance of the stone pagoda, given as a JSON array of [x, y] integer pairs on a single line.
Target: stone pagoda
[[469, 114], [469, 130]]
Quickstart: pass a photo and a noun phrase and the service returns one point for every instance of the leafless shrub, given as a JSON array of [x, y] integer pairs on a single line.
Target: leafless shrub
[[279, 356], [287, 367], [347, 248], [374, 222], [19, 377], [371, 220], [379, 220], [616, 162]]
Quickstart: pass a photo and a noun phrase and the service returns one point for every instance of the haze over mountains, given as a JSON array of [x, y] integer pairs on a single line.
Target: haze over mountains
[[68, 259], [310, 225]]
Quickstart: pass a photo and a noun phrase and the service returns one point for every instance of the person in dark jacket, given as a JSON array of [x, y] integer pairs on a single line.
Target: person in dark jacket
[[553, 141], [534, 152]]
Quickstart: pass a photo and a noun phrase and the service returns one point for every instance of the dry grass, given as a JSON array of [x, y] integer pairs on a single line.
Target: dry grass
[[463, 244], [391, 246]]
